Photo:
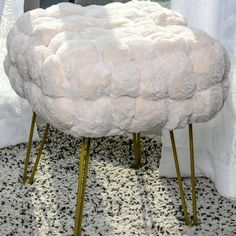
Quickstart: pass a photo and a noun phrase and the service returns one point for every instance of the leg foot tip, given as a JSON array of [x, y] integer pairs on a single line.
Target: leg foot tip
[[136, 166], [26, 180]]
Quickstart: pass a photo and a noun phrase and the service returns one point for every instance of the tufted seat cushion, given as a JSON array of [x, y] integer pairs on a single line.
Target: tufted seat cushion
[[106, 70]]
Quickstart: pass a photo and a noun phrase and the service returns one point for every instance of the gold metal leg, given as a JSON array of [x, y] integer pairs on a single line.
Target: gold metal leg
[[29, 146], [137, 150], [83, 173], [182, 195], [35, 167], [194, 201]]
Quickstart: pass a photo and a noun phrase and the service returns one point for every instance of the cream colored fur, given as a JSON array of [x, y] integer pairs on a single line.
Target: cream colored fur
[[98, 71]]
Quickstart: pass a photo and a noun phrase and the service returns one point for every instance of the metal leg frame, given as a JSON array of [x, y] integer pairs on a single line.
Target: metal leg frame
[[137, 150], [179, 177], [194, 200], [26, 178], [83, 173]]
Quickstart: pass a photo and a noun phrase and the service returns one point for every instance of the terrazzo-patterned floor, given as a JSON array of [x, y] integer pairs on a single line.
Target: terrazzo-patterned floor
[[119, 200]]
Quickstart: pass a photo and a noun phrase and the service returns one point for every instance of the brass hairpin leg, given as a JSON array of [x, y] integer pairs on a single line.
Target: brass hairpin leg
[[179, 177], [30, 178], [192, 165], [194, 201], [83, 173], [137, 150], [29, 145]]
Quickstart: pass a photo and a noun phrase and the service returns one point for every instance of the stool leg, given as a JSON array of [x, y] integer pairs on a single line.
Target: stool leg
[[83, 173], [35, 167], [182, 195], [29, 146], [194, 201], [137, 150]]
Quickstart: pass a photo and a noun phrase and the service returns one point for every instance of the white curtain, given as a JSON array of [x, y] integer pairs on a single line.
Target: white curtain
[[15, 113], [215, 141], [1, 8]]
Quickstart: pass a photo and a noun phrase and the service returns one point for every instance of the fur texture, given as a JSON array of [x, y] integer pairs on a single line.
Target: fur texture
[[99, 71]]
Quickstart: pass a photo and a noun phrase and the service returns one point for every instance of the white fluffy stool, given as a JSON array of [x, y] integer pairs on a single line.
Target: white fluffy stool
[[124, 68]]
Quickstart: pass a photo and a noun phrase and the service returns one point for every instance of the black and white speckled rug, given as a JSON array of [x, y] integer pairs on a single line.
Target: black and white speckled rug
[[119, 200]]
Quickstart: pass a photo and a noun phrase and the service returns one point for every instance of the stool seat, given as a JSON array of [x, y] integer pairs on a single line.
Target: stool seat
[[106, 70]]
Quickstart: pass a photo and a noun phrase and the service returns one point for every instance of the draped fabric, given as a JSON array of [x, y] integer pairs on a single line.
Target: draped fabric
[[1, 8], [15, 113], [215, 141]]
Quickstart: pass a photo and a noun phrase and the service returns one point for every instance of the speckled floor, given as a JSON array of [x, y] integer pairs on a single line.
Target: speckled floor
[[119, 199]]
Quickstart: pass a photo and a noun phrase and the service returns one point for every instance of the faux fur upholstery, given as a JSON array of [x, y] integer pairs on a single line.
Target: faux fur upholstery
[[99, 71]]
